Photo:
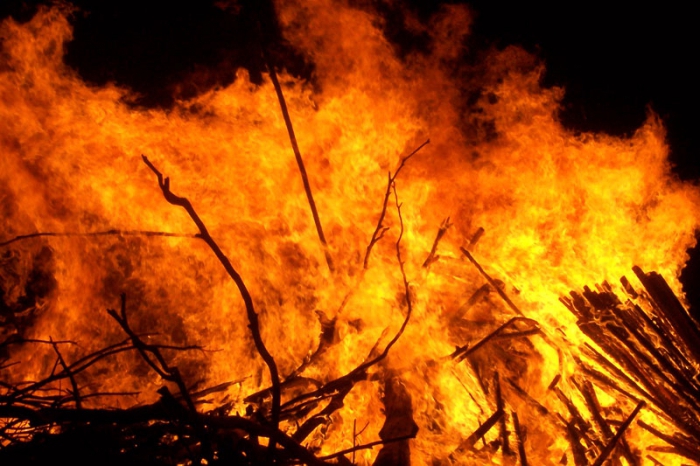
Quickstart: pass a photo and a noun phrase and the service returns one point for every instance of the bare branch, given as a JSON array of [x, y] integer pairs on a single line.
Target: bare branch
[[366, 446], [492, 282], [620, 430], [76, 392], [254, 325], [297, 155], [96, 233], [432, 257], [380, 228]]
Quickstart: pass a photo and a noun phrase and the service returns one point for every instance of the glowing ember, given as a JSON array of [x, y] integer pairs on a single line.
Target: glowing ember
[[559, 211]]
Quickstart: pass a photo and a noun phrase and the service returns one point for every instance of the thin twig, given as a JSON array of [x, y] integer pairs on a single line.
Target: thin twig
[[76, 393], [160, 365], [361, 370], [297, 155], [480, 431], [253, 323], [492, 282], [96, 233], [462, 352], [432, 257], [503, 421], [620, 430], [521, 440], [380, 228], [366, 446]]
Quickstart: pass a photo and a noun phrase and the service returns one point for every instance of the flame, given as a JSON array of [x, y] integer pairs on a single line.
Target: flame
[[560, 210]]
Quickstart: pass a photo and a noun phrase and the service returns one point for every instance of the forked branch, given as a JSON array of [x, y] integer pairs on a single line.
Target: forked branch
[[253, 322], [381, 229]]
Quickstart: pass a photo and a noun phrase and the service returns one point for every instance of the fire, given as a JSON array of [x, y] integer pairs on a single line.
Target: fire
[[559, 211]]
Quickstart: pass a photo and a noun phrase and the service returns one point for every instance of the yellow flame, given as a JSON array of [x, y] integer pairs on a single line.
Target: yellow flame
[[560, 211]]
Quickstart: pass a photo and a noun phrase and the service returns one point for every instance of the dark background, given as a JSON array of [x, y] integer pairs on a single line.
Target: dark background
[[613, 62]]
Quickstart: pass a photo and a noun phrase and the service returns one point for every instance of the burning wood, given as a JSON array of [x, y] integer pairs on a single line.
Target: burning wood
[[390, 343]]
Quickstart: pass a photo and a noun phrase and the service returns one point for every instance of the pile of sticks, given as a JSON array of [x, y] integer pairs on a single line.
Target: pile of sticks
[[650, 346]]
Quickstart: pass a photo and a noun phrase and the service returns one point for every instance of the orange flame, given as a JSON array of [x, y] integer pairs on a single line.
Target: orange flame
[[560, 210]]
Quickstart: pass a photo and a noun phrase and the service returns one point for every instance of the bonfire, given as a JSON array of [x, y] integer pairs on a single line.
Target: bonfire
[[392, 263]]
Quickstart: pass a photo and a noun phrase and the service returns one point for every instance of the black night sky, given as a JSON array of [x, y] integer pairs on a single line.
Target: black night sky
[[613, 62]]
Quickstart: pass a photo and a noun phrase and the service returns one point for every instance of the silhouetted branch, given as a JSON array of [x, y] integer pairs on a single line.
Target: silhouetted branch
[[254, 325], [366, 446], [492, 282], [620, 430], [432, 257], [95, 233], [74, 384], [380, 228], [297, 156]]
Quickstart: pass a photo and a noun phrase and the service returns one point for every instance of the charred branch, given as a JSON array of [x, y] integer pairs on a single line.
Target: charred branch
[[621, 430], [432, 257], [492, 282], [479, 433], [380, 229], [95, 233], [505, 445], [521, 439], [463, 352], [69, 373], [254, 325], [682, 446], [360, 372], [297, 156]]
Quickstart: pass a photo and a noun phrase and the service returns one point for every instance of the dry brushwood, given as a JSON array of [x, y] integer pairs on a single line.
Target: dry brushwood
[[164, 184], [37, 425], [654, 339]]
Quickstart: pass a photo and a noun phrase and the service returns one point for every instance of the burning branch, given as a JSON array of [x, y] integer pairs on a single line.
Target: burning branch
[[164, 184], [492, 282], [69, 373], [620, 430], [340, 387], [328, 325], [152, 355], [432, 257], [297, 155], [381, 229], [95, 233], [521, 440]]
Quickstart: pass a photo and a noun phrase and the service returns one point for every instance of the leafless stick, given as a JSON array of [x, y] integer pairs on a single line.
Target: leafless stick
[[366, 446], [148, 352], [398, 257], [503, 421], [491, 282], [297, 155], [526, 396], [354, 438], [480, 432], [476, 237], [521, 440], [464, 351], [253, 323], [689, 451], [444, 226], [620, 430], [589, 395], [96, 233], [361, 370], [76, 392], [381, 229], [19, 393]]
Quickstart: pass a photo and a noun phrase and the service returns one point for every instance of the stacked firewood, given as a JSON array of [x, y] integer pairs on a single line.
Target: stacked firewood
[[650, 346]]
